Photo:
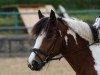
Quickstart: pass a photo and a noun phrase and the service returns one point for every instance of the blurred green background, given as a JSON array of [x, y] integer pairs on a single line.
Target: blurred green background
[[69, 4], [82, 8]]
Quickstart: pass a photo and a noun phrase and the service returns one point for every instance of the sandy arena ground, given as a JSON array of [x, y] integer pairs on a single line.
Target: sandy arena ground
[[18, 66]]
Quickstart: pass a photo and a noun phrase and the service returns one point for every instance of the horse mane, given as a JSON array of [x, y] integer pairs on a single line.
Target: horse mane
[[43, 24], [80, 27]]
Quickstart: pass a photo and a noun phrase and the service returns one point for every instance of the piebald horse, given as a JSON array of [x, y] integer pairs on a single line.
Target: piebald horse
[[69, 37]]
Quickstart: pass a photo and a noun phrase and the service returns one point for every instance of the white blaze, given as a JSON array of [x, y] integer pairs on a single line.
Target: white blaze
[[39, 41], [37, 46], [95, 49], [31, 58]]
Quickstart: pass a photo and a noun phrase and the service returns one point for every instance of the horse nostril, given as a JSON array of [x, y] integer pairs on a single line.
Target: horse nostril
[[35, 63]]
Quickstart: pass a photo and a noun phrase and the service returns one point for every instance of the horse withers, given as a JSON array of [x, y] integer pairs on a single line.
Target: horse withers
[[69, 37]]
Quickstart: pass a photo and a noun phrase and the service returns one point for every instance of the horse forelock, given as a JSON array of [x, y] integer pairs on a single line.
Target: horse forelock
[[42, 25]]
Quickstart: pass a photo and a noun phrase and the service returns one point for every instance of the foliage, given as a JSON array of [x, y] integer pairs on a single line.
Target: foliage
[[69, 4]]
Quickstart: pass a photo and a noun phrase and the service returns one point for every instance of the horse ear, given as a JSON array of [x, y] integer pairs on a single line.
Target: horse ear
[[52, 16], [40, 14]]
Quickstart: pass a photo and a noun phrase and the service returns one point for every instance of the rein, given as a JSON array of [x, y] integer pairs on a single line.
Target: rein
[[47, 55]]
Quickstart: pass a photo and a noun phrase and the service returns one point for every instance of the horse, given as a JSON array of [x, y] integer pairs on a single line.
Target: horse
[[69, 37]]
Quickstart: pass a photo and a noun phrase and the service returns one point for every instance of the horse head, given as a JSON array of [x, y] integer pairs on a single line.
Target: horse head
[[48, 42], [69, 37]]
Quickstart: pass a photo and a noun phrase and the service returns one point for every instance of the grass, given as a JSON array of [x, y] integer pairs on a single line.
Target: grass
[[70, 4], [83, 16], [89, 18]]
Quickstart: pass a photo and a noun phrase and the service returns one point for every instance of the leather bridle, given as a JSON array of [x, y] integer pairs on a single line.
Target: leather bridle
[[47, 55]]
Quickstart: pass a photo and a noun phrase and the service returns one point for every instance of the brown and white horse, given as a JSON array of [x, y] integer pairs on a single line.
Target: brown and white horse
[[69, 37]]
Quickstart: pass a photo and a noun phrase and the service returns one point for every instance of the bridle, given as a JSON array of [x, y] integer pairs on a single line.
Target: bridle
[[47, 55]]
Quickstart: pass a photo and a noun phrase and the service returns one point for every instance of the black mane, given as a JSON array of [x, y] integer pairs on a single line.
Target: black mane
[[43, 24]]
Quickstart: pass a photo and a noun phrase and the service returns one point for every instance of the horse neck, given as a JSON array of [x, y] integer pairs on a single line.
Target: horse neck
[[78, 54]]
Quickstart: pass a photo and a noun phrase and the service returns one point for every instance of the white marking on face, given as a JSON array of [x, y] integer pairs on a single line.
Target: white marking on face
[[66, 38], [73, 34], [39, 40], [37, 46], [31, 58], [95, 49]]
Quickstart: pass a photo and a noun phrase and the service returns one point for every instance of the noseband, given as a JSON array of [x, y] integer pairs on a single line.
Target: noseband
[[48, 56]]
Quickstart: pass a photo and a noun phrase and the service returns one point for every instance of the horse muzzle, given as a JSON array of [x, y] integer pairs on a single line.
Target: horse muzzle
[[36, 65]]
